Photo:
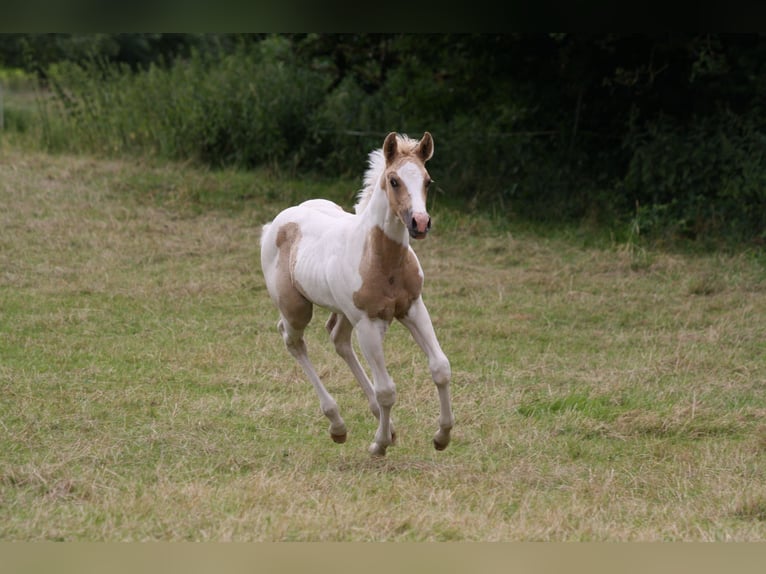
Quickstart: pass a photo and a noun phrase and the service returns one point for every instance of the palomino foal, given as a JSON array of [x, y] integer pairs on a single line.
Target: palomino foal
[[360, 267]]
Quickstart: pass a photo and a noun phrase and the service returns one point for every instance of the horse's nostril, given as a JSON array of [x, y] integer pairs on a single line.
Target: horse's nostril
[[420, 223]]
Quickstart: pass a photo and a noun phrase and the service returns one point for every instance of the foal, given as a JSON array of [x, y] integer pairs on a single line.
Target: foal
[[360, 267]]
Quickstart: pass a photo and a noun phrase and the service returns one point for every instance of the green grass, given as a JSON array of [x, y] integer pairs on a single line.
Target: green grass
[[601, 392]]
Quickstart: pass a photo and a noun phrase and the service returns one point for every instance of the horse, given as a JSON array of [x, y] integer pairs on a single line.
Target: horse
[[361, 267]]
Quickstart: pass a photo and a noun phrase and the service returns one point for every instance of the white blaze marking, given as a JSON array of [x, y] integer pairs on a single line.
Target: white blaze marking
[[412, 177]]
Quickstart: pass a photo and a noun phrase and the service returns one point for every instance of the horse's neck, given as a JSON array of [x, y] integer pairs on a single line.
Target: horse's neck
[[378, 214]]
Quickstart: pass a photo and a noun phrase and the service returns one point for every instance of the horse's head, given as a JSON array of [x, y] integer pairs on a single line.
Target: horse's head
[[406, 180]]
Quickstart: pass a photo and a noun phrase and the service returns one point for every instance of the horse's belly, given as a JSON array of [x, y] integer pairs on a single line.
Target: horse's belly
[[321, 274]]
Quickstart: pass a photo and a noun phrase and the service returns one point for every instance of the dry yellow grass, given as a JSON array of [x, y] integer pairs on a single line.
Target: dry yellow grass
[[146, 395]]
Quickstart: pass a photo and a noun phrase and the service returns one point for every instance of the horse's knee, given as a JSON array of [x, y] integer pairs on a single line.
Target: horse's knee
[[386, 396], [441, 372], [293, 339]]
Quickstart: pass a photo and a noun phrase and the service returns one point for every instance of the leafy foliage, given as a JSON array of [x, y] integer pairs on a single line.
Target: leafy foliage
[[665, 131], [243, 108], [708, 179]]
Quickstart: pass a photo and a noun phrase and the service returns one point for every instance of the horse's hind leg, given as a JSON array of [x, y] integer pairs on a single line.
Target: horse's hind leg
[[293, 339], [340, 329]]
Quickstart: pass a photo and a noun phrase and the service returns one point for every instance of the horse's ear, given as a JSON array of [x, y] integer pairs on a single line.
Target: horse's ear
[[390, 147], [426, 147]]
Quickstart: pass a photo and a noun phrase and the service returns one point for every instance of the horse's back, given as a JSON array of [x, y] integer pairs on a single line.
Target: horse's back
[[324, 206], [313, 213]]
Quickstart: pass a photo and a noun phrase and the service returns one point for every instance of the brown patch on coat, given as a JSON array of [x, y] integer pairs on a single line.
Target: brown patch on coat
[[391, 279], [295, 307]]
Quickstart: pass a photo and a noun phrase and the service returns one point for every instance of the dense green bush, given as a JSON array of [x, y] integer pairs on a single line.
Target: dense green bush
[[245, 108], [706, 180], [663, 133]]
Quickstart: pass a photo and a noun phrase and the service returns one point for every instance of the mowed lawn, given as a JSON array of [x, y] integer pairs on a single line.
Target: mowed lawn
[[602, 391]]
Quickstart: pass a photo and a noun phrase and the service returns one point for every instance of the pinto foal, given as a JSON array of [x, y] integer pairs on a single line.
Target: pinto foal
[[361, 268]]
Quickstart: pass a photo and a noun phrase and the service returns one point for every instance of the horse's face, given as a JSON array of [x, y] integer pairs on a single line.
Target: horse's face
[[406, 182]]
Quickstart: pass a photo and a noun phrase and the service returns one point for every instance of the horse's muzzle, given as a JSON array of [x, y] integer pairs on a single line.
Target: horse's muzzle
[[419, 225]]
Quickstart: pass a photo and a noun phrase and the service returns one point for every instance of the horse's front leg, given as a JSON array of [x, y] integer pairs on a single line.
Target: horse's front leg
[[418, 321], [370, 334]]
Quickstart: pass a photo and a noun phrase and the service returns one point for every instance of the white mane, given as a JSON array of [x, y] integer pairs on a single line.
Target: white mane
[[377, 163]]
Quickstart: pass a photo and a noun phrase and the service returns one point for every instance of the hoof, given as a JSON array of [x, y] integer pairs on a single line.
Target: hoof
[[377, 450], [440, 443], [338, 438], [441, 439]]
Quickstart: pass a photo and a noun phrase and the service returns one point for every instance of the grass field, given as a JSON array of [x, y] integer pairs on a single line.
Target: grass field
[[602, 390]]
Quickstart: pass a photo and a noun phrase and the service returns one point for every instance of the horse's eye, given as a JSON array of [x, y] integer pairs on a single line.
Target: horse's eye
[[394, 183], [428, 182]]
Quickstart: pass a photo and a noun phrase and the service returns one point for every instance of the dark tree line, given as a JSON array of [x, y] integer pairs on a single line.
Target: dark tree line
[[668, 128]]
